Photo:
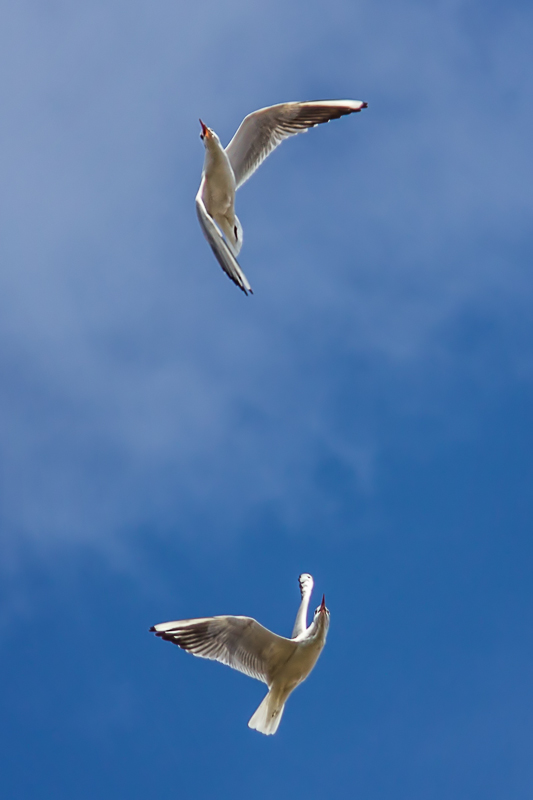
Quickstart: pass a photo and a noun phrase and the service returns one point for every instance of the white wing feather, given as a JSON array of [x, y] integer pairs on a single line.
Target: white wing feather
[[220, 248], [240, 642], [263, 130]]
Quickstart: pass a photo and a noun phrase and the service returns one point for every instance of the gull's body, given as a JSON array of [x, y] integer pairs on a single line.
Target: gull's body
[[245, 645], [225, 170]]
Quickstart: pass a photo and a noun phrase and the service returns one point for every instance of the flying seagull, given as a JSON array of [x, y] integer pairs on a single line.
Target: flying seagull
[[242, 643], [226, 170]]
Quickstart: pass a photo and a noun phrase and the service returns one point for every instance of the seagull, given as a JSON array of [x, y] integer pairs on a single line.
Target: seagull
[[226, 170], [245, 645]]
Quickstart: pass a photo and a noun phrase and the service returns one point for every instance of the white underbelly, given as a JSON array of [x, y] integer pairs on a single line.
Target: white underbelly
[[219, 191], [300, 665]]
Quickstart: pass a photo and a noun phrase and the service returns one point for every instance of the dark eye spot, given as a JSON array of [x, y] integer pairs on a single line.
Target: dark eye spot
[[236, 232]]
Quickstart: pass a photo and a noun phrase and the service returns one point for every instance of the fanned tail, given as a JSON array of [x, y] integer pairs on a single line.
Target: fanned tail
[[268, 716]]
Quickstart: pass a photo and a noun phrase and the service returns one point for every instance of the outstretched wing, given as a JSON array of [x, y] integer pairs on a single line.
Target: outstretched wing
[[219, 246], [306, 588], [239, 642], [261, 132], [306, 584]]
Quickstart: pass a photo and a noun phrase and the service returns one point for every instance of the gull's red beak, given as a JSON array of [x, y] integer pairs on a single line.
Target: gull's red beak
[[323, 604], [205, 130]]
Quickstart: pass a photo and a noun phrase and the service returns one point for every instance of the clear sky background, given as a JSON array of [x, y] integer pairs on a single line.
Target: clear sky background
[[170, 448]]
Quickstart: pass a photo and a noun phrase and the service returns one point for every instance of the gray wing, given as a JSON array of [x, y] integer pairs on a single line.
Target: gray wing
[[239, 642], [261, 132], [219, 246]]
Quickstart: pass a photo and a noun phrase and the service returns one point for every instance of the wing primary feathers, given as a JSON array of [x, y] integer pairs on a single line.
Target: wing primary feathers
[[218, 245], [263, 130], [239, 642]]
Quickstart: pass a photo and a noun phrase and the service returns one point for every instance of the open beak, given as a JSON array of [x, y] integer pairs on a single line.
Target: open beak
[[323, 604], [205, 130]]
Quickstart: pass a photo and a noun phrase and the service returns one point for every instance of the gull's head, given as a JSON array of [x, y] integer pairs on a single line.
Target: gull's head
[[322, 611], [207, 135], [205, 131]]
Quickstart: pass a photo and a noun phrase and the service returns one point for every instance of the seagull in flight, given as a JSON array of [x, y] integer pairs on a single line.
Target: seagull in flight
[[242, 643], [225, 170]]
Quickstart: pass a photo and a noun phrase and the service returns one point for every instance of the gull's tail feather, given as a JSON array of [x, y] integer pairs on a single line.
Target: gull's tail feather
[[268, 716]]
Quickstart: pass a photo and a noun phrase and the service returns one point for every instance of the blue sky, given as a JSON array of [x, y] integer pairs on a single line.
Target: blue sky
[[170, 448]]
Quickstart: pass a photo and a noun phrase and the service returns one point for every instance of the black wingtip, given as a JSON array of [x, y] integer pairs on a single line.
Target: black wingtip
[[152, 629], [365, 105]]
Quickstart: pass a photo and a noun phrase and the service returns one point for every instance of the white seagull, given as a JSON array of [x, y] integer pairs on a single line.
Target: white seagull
[[226, 170], [242, 643]]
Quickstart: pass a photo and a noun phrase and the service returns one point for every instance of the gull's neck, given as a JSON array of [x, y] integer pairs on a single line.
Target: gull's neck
[[318, 629], [215, 156]]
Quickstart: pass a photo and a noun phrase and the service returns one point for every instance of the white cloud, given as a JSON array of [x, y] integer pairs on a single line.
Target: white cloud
[[140, 388]]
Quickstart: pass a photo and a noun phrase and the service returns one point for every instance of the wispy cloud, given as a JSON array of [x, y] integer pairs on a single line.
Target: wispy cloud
[[140, 389]]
